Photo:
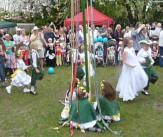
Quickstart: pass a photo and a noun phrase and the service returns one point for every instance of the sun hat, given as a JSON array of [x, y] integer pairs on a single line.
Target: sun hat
[[35, 28], [145, 42], [18, 29]]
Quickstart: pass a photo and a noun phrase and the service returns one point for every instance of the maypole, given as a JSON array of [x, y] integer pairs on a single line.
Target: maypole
[[85, 45]]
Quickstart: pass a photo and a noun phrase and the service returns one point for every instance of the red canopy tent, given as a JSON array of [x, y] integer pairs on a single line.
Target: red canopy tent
[[98, 18]]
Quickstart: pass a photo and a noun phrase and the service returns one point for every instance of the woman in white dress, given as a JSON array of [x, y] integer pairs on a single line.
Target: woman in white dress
[[20, 78], [133, 78]]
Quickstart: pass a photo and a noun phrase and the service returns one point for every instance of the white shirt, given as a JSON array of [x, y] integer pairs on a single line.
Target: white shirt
[[16, 38], [161, 39], [127, 34], [34, 58], [143, 54], [156, 31]]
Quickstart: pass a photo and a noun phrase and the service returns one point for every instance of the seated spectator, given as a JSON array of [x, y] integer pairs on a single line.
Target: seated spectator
[[99, 55]]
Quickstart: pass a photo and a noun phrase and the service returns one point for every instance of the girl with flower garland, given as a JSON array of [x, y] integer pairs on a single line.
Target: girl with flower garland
[[82, 113], [133, 78], [110, 108], [20, 78]]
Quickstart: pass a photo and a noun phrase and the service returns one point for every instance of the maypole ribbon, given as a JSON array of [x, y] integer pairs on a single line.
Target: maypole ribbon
[[118, 133], [85, 45], [73, 50], [89, 49], [72, 43], [58, 128], [77, 46]]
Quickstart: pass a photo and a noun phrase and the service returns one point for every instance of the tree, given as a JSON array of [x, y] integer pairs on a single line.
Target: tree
[[129, 11], [44, 12]]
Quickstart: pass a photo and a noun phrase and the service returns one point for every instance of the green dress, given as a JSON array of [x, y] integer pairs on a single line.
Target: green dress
[[109, 109], [86, 117]]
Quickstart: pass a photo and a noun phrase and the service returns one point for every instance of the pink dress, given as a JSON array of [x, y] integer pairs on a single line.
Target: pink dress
[[13, 61]]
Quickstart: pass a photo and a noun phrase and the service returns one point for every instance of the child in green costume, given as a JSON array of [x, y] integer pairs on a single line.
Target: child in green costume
[[146, 60], [82, 113], [110, 108], [37, 72]]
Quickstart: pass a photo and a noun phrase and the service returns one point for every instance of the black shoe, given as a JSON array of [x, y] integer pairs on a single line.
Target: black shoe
[[145, 93], [33, 92]]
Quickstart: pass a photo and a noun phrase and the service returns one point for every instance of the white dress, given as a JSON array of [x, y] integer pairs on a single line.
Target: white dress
[[132, 80], [20, 78]]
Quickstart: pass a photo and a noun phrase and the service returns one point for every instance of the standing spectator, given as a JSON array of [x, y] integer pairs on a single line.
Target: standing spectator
[[152, 29], [161, 43], [140, 33], [58, 54], [2, 34], [66, 31], [52, 26], [9, 45], [50, 54], [56, 35], [96, 33], [120, 52], [24, 39], [158, 29], [155, 32], [13, 59], [2, 61], [63, 50], [17, 36], [37, 39], [103, 31], [110, 33], [118, 36], [118, 33], [49, 34], [127, 33]]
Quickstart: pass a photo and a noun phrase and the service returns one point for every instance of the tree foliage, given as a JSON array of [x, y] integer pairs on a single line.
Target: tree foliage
[[54, 12], [130, 11], [125, 12]]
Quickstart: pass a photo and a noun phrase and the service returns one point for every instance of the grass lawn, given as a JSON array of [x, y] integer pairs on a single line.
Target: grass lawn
[[25, 115]]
